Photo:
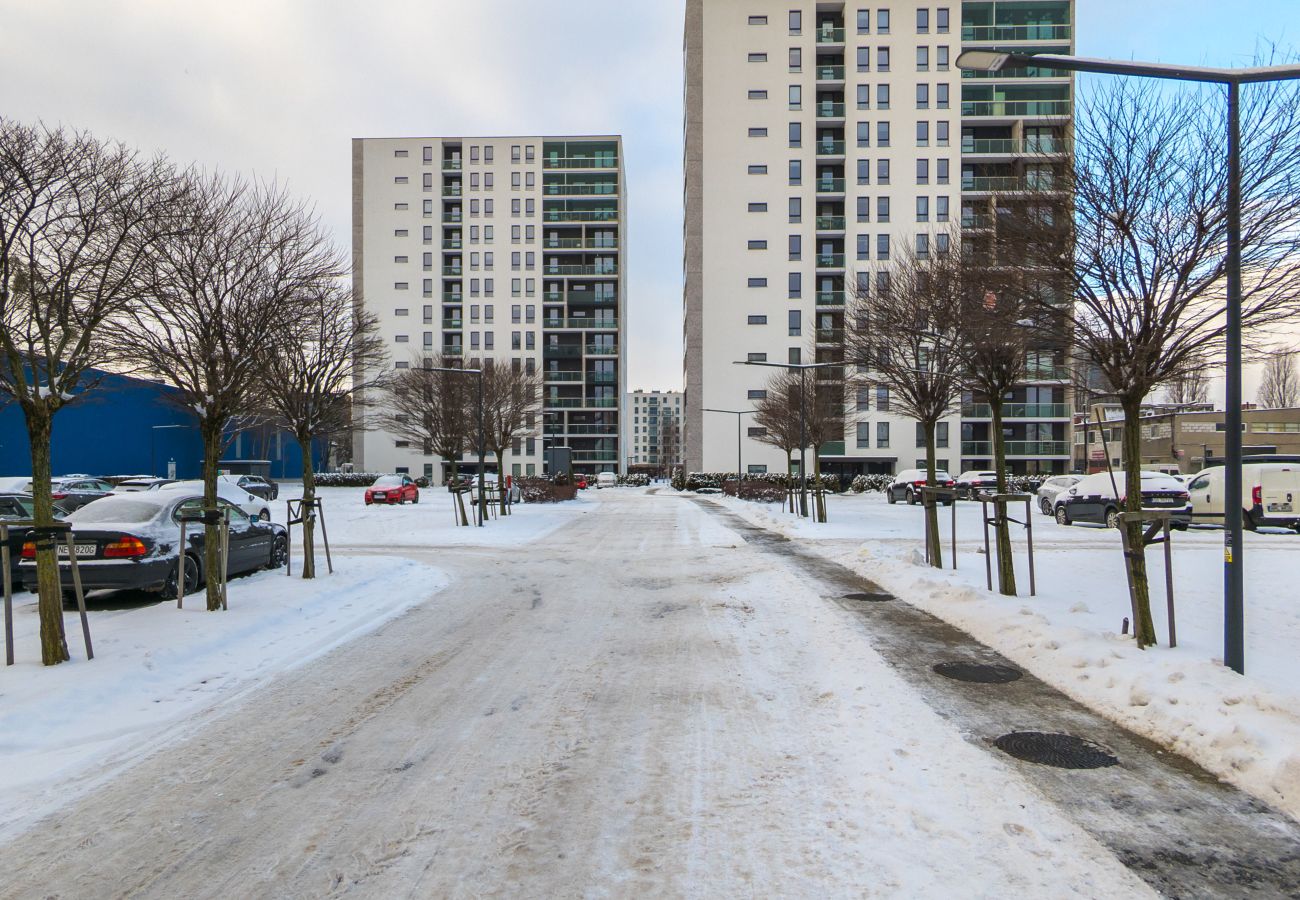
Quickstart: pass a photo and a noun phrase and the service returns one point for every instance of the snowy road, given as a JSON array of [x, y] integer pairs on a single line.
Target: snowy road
[[641, 704]]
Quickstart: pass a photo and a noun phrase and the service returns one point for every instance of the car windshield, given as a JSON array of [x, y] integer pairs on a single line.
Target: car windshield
[[389, 481], [114, 509]]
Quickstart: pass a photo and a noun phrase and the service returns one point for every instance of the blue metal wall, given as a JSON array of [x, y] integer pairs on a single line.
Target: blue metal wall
[[126, 426]]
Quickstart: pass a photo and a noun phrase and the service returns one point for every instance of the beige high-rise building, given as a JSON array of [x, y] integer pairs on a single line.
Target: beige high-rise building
[[823, 140], [654, 429], [509, 248]]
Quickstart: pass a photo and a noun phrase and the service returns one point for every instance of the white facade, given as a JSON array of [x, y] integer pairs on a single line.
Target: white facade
[[504, 247], [654, 427], [822, 139]]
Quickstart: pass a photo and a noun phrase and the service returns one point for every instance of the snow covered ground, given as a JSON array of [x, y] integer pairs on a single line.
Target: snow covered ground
[[159, 672], [1245, 729]]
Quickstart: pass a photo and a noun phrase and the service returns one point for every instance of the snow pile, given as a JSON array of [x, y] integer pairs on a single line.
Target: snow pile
[[157, 670], [1244, 729]]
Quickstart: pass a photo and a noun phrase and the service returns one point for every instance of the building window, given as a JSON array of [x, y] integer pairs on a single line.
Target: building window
[[795, 356], [882, 246], [758, 95], [796, 134], [758, 207], [864, 21], [757, 245], [922, 246], [756, 320], [864, 171], [882, 434], [757, 170], [942, 173], [882, 209], [922, 134], [758, 57], [864, 246], [796, 209], [941, 58], [864, 209], [882, 21], [922, 209], [882, 134], [864, 59], [864, 435], [757, 282], [882, 59], [941, 19], [796, 59], [882, 96], [922, 59], [796, 172], [941, 437], [758, 20], [941, 209], [864, 134], [922, 171], [922, 96], [864, 96], [756, 431], [941, 133], [941, 96], [796, 21], [796, 96], [863, 399], [756, 357], [758, 132], [882, 398], [923, 21], [795, 324], [795, 285], [796, 246]]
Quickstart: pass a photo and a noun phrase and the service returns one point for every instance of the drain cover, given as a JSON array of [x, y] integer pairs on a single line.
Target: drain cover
[[868, 598], [1063, 751], [977, 673]]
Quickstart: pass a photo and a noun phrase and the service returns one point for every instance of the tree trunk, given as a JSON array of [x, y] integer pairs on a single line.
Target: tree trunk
[[211, 432], [819, 491], [308, 509], [500, 453], [1144, 628], [789, 479], [931, 508], [1006, 564], [54, 643]]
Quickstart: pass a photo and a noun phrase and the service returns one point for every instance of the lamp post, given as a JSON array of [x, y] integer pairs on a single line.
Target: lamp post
[[740, 473], [1234, 653], [802, 369], [482, 444]]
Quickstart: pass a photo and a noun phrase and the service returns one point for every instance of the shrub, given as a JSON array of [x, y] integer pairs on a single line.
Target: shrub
[[346, 479], [874, 484], [534, 489], [636, 479]]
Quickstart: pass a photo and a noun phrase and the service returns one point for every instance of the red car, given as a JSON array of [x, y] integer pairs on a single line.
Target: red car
[[393, 489], [581, 482]]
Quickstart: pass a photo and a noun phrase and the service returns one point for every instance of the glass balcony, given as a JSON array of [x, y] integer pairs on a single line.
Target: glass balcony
[[1015, 32], [830, 223], [1007, 108], [452, 271], [562, 376], [1047, 373], [559, 243], [1017, 448], [830, 73], [606, 269], [603, 402], [582, 429], [978, 221], [1018, 411], [562, 352], [579, 189], [451, 165], [452, 350], [601, 350], [580, 322], [830, 298], [451, 244], [830, 260], [451, 323], [830, 35], [452, 298], [830, 148], [830, 335], [602, 378], [830, 185], [562, 402], [579, 215], [451, 217], [827, 109], [451, 190], [993, 183], [580, 162]]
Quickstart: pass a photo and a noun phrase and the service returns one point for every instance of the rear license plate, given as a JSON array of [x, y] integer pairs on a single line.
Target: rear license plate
[[1279, 507], [1163, 501], [82, 549]]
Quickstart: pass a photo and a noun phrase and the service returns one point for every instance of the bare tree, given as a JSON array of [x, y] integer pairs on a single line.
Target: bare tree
[[777, 414], [312, 372], [76, 217], [1280, 387], [511, 402], [906, 333], [228, 279], [1190, 386], [826, 418], [670, 440], [1145, 266], [429, 408]]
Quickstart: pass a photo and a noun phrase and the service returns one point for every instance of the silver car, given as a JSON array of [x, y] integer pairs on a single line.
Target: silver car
[[1048, 490]]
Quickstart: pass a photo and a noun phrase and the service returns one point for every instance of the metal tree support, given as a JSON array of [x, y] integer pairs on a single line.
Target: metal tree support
[[929, 497], [205, 517], [458, 504], [45, 537], [1156, 522], [297, 517], [1000, 516]]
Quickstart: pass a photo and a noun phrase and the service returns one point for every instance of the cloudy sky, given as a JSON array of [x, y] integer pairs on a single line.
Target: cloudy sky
[[279, 87]]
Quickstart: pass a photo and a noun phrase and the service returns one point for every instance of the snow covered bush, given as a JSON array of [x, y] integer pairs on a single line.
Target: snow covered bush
[[637, 479], [534, 489], [870, 483], [346, 479]]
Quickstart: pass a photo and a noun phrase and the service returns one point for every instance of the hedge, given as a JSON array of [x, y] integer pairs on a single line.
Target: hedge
[[356, 479]]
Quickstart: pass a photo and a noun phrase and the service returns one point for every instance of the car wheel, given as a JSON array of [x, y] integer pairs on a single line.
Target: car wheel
[[889, 496], [1112, 517], [415, 499], [1178, 526], [1062, 517], [1045, 507], [265, 515], [910, 497], [1248, 520], [191, 579], [279, 552]]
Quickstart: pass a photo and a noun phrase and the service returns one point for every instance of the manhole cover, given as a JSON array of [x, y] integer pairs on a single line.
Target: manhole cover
[[977, 673], [1061, 750], [868, 598]]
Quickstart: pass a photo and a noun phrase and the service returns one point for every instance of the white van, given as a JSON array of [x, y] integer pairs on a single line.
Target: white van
[[1270, 495], [606, 479]]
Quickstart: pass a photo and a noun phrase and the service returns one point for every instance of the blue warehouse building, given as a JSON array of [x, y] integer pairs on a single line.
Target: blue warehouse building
[[132, 426]]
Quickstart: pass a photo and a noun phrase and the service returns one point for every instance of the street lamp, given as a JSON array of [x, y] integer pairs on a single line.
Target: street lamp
[[1234, 652], [737, 413], [802, 368], [482, 445]]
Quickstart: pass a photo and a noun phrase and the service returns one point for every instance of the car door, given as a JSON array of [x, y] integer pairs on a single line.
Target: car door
[[1207, 503], [246, 543]]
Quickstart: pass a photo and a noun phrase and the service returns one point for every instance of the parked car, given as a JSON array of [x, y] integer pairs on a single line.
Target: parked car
[[140, 483], [16, 507], [226, 490], [1093, 499], [907, 482], [1270, 495], [73, 492], [256, 484], [393, 489], [1049, 489], [606, 479], [131, 542], [971, 483], [21, 484], [580, 481]]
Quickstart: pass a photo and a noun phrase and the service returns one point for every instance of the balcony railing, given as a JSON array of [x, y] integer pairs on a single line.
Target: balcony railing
[[1010, 145], [1015, 32], [581, 429], [830, 298], [452, 350], [1005, 108], [1017, 448], [607, 269], [830, 223], [830, 35], [830, 260], [993, 183], [452, 271], [978, 221], [553, 296], [1047, 373], [602, 378], [562, 402], [580, 215], [451, 323], [579, 162], [451, 244], [830, 335], [562, 376], [601, 350], [451, 190], [829, 148], [579, 189], [559, 243], [452, 298], [830, 185], [562, 352], [451, 217], [827, 109], [584, 298], [451, 165], [580, 322], [1018, 411], [830, 73]]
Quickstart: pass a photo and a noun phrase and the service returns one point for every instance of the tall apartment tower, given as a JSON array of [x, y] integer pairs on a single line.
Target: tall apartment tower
[[654, 427], [822, 141], [510, 248]]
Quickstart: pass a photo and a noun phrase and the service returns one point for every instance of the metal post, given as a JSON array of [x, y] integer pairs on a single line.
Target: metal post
[[8, 595], [988, 563], [954, 531], [482, 452], [225, 559], [329, 563], [739, 471], [1029, 535], [1234, 652], [180, 568], [288, 537], [803, 440], [1169, 587], [81, 595]]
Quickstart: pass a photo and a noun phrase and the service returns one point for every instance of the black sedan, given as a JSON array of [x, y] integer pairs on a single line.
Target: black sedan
[[256, 484], [1094, 499], [130, 541], [16, 507]]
